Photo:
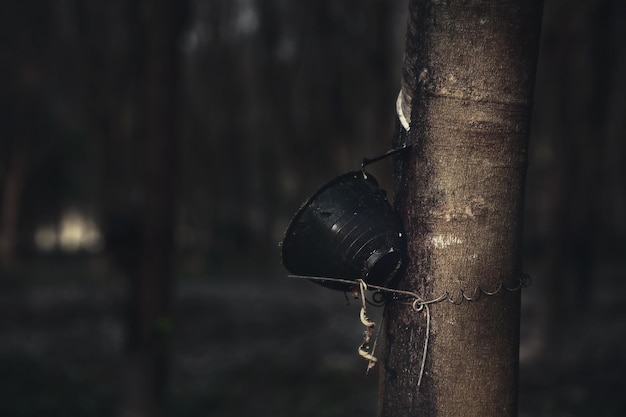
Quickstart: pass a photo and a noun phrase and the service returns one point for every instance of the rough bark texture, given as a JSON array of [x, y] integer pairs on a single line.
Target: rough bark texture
[[469, 73]]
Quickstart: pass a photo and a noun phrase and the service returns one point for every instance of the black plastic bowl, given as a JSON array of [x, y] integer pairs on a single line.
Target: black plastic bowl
[[347, 230]]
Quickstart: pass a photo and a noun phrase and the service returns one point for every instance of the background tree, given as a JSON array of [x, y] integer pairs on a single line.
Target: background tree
[[157, 28]]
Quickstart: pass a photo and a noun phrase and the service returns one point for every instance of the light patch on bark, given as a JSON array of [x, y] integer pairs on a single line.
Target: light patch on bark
[[443, 241], [470, 210]]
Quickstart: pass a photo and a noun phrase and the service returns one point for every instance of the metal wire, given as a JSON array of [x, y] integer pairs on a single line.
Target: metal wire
[[456, 297], [418, 304], [368, 161]]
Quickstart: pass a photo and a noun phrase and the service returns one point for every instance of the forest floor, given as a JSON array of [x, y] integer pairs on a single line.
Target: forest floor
[[275, 347]]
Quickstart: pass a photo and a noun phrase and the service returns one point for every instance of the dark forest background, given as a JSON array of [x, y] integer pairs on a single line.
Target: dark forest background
[[161, 148]]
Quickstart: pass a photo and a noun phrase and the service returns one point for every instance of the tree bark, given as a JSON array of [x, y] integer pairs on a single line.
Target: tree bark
[[467, 90]]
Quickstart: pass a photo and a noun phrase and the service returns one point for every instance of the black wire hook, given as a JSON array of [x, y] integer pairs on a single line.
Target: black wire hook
[[368, 161]]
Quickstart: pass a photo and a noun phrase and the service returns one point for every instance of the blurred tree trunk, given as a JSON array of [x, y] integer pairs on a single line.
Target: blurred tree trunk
[[467, 85], [157, 29], [11, 199]]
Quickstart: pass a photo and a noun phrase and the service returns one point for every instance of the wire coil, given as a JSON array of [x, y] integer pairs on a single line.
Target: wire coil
[[418, 304]]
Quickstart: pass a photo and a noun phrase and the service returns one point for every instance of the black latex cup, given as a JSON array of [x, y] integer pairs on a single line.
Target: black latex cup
[[347, 230]]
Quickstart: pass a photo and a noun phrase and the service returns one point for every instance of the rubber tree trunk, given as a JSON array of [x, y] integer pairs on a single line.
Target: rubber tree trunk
[[467, 91]]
